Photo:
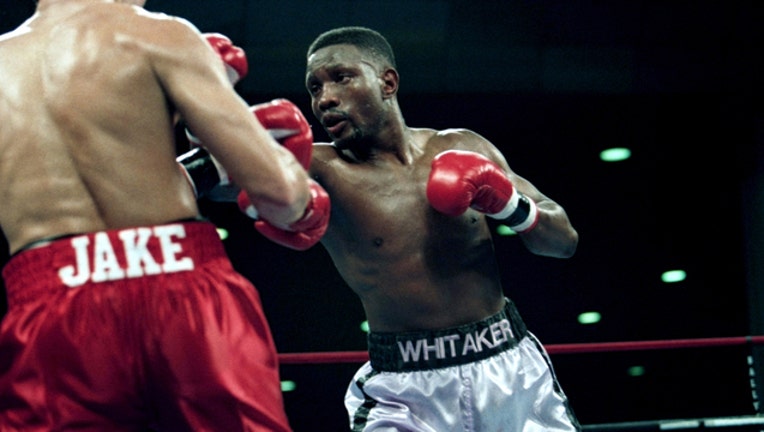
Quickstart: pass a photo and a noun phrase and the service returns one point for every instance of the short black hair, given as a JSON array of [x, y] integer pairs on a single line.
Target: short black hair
[[364, 38]]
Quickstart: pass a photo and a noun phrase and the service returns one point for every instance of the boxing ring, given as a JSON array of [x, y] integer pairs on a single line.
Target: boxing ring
[[726, 424]]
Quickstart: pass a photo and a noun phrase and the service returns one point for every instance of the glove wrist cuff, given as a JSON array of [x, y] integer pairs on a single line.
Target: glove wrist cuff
[[520, 213], [203, 171]]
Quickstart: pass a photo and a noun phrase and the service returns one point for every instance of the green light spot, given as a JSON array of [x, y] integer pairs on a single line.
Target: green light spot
[[287, 386], [504, 230], [615, 154], [636, 371], [223, 233], [589, 318], [365, 326], [673, 276]]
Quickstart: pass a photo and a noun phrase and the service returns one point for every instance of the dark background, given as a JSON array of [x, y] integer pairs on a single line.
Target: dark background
[[551, 83]]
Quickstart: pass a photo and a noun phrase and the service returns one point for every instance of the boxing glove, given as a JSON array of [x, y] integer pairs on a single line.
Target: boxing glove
[[303, 233], [205, 175], [286, 123], [461, 179], [234, 58]]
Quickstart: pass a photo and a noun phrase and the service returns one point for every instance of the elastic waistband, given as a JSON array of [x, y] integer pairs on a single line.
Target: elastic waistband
[[414, 351], [109, 256]]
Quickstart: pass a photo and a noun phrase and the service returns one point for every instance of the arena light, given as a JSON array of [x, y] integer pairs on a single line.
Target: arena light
[[287, 386], [223, 233], [673, 276], [615, 154], [365, 326], [591, 317], [636, 371], [504, 230]]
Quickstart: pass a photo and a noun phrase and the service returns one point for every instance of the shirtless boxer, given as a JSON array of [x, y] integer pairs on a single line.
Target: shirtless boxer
[[124, 312], [409, 235]]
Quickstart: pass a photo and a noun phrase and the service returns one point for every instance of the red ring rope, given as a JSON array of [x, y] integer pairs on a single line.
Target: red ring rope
[[362, 356]]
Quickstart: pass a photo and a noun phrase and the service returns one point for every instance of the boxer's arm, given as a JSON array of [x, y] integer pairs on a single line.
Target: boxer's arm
[[232, 58], [285, 122], [191, 77], [553, 234]]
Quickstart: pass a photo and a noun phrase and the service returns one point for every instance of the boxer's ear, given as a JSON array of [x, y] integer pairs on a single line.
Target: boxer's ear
[[390, 82]]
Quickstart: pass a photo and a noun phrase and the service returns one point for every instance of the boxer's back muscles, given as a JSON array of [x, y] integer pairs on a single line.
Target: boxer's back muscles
[[72, 154]]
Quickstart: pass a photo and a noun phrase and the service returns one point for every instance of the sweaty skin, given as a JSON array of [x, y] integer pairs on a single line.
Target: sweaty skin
[[87, 105], [412, 267]]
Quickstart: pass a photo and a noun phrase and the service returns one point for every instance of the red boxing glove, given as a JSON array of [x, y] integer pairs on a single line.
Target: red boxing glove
[[461, 179], [234, 58], [303, 233], [286, 123]]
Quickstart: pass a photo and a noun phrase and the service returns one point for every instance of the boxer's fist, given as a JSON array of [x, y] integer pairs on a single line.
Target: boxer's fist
[[234, 58], [303, 233], [461, 179], [286, 123]]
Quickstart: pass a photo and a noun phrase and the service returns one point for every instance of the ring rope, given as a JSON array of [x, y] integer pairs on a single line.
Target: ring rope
[[681, 424], [574, 348]]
